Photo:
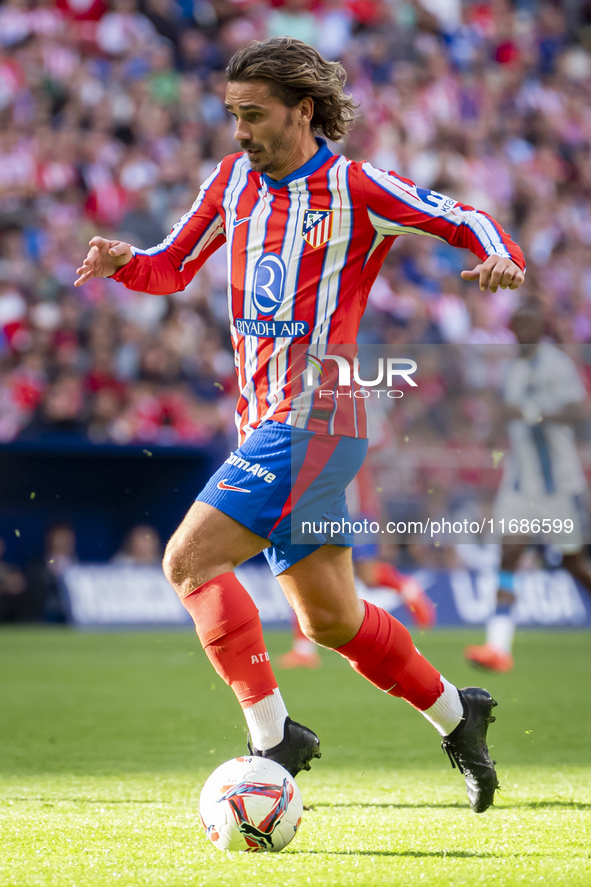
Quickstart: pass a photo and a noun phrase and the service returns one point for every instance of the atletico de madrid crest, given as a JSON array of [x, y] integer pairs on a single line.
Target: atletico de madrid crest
[[317, 227]]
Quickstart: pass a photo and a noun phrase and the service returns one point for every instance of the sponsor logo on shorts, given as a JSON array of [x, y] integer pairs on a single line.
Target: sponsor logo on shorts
[[222, 485], [253, 468]]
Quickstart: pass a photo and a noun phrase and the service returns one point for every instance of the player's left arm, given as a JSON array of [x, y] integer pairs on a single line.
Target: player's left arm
[[397, 206], [494, 272]]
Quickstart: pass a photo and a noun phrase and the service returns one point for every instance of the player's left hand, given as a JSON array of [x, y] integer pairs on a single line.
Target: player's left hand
[[496, 272]]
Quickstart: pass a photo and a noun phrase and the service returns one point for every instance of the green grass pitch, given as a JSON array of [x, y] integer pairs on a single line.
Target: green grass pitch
[[106, 739]]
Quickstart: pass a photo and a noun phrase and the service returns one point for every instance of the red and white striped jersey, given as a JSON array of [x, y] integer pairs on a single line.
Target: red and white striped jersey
[[303, 254]]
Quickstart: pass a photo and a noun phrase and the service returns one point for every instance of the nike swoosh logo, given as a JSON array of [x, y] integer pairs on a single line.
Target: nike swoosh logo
[[222, 485], [240, 221]]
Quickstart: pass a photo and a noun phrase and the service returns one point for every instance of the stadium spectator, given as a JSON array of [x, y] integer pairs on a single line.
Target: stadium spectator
[[43, 576], [142, 545], [61, 410], [12, 590]]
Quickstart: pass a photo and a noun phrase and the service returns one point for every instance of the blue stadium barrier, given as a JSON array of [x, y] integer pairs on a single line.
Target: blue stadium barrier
[[101, 490]]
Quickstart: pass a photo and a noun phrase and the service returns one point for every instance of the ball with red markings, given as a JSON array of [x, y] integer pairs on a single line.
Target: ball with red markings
[[250, 804]]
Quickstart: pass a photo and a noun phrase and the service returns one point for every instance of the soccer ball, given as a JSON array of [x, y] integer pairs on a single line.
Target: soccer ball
[[250, 804]]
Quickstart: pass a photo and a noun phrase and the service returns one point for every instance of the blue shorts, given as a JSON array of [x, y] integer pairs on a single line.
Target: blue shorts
[[285, 484]]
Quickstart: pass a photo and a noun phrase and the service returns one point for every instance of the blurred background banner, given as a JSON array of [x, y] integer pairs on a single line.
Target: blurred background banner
[[116, 406], [127, 595], [118, 594]]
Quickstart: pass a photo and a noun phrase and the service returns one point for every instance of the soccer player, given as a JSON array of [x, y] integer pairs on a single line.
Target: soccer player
[[307, 232], [543, 479]]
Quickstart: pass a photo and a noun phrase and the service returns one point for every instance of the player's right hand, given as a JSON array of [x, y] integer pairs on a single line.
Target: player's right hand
[[103, 259]]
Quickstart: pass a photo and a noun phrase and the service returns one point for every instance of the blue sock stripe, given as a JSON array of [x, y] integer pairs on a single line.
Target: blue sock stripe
[[507, 580]]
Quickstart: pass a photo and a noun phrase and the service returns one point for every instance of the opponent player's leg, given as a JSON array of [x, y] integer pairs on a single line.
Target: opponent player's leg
[[321, 590], [199, 563], [376, 573], [496, 654], [303, 652]]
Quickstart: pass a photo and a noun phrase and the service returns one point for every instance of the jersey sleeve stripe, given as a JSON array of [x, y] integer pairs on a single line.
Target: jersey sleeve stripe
[[397, 192], [387, 228], [486, 233], [378, 238], [214, 230]]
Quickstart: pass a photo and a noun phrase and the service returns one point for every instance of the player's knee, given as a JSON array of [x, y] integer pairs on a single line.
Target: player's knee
[[329, 629], [184, 570], [173, 565], [187, 565]]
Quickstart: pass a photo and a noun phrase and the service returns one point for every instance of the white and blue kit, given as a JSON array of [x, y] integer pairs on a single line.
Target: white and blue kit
[[543, 477]]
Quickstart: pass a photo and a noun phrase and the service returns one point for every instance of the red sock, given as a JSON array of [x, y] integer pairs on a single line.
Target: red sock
[[388, 576], [230, 631], [383, 652]]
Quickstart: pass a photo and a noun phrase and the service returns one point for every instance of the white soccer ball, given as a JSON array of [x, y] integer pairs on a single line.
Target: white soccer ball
[[250, 804]]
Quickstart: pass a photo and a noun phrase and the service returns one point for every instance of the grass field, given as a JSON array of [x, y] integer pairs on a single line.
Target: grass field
[[106, 739]]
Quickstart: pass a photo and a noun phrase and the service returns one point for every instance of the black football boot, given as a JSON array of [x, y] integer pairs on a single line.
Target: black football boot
[[466, 746], [295, 751]]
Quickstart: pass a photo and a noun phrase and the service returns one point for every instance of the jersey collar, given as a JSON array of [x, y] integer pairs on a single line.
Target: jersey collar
[[319, 159]]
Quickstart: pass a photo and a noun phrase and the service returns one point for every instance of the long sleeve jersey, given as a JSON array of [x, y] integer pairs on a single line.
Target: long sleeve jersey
[[303, 254]]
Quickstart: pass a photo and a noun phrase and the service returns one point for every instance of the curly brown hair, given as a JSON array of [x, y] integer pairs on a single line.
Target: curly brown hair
[[295, 71]]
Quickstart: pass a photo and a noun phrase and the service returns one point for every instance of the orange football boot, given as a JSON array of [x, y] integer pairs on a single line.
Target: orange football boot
[[295, 659], [487, 657]]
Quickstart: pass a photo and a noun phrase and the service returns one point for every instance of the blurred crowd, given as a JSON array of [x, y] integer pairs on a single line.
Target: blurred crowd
[[36, 593], [111, 115]]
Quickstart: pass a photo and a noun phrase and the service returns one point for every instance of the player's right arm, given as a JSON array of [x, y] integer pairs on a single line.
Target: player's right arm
[[172, 264]]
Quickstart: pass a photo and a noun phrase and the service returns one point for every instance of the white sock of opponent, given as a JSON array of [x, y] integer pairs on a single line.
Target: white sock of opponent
[[500, 628], [500, 632], [266, 721], [305, 647]]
